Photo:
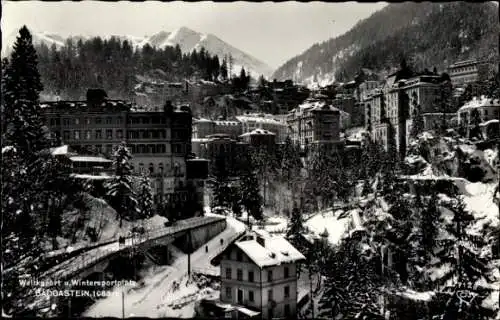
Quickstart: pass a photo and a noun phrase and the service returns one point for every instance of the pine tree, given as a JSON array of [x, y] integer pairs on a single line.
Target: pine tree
[[219, 181], [251, 199], [461, 253], [295, 229], [21, 86], [475, 121], [224, 69], [417, 123], [145, 197], [290, 164], [119, 189]]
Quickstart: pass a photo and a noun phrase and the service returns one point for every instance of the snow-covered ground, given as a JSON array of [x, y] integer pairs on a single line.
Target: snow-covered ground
[[156, 298]]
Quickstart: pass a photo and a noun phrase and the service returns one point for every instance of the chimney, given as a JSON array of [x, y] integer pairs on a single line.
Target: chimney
[[261, 241], [96, 96]]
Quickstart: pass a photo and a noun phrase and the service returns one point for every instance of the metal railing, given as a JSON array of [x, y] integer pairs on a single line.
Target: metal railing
[[83, 262]]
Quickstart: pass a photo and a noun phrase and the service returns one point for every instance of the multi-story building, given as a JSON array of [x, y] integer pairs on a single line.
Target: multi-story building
[[260, 138], [469, 71], [231, 128], [389, 110], [260, 273], [250, 122], [488, 110], [160, 141], [314, 122]]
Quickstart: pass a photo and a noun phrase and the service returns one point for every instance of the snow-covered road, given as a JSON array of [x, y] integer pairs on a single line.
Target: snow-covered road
[[152, 298]]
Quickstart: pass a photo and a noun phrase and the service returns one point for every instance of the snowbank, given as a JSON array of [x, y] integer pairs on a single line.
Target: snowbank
[[336, 226]]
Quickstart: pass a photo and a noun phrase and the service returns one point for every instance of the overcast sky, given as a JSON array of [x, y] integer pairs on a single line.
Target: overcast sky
[[271, 32]]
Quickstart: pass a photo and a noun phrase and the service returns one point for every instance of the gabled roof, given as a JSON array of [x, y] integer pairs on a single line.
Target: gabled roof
[[276, 251]]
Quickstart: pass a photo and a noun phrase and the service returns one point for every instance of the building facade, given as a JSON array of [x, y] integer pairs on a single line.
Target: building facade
[[250, 122], [488, 111], [314, 122], [469, 71], [159, 141], [260, 138], [260, 273]]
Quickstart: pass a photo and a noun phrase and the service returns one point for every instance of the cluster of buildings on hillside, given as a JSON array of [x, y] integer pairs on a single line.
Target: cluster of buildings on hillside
[[166, 140]]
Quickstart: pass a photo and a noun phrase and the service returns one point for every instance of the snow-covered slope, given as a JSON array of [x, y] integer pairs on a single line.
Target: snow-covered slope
[[186, 38]]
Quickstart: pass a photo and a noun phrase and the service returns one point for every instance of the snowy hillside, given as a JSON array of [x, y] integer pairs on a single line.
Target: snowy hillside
[[186, 38]]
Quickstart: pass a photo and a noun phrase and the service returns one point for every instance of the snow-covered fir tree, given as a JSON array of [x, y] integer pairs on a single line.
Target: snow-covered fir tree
[[251, 199], [220, 185], [119, 189], [464, 260], [145, 197], [21, 87]]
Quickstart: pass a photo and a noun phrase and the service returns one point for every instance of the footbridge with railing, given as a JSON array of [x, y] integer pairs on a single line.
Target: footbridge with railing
[[97, 259]]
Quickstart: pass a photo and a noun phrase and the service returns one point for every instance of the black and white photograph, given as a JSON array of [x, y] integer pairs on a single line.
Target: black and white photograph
[[250, 160]]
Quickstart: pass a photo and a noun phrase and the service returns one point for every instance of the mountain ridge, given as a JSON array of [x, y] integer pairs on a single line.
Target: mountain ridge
[[429, 34], [187, 39]]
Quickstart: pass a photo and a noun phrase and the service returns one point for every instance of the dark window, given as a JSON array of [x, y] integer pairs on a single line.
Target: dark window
[[239, 256], [66, 122], [250, 296], [109, 134], [119, 134], [269, 294], [287, 272], [228, 270], [287, 310], [270, 276], [151, 168], [239, 275], [98, 148], [87, 121], [240, 296], [98, 120], [287, 292], [250, 276], [98, 134], [66, 135], [76, 121], [228, 293], [119, 120], [109, 120]]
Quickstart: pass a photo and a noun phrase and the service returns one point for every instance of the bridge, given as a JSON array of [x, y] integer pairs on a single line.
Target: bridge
[[96, 259]]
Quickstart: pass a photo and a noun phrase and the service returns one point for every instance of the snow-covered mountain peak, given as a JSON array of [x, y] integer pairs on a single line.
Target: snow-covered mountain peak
[[187, 39]]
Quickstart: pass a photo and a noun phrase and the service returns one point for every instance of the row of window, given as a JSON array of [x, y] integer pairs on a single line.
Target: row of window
[[71, 121], [146, 134], [250, 278], [251, 294], [463, 69], [87, 134]]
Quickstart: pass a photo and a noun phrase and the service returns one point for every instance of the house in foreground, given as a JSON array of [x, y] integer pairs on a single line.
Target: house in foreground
[[259, 278]]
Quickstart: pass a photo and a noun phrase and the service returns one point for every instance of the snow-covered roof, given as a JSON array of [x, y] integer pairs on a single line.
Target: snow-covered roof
[[90, 177], [259, 119], [8, 148], [483, 101], [276, 250], [226, 123], [258, 132], [62, 150], [202, 120], [314, 105], [200, 140], [484, 124], [417, 296], [89, 159]]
